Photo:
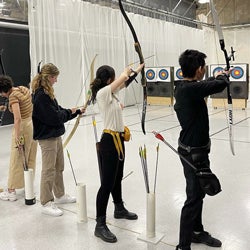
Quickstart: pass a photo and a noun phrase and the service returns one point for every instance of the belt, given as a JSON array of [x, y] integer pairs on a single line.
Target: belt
[[117, 142], [190, 149]]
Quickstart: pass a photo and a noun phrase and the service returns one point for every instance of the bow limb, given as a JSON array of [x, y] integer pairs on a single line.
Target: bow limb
[[143, 77], [1, 62], [85, 105], [6, 100], [227, 59]]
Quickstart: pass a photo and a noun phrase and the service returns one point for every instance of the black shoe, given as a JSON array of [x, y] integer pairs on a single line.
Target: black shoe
[[205, 238], [102, 231], [122, 213], [182, 248]]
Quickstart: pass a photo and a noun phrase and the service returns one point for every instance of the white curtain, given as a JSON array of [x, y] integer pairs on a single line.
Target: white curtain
[[69, 33]]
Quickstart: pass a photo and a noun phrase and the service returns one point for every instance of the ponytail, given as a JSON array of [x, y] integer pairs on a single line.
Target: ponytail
[[103, 74]]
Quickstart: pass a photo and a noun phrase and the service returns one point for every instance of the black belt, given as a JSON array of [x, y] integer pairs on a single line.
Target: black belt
[[190, 149]]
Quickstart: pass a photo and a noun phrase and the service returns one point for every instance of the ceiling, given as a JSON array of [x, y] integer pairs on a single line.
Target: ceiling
[[185, 12]]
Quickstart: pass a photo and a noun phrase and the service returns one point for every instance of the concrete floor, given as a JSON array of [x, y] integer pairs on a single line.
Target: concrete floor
[[226, 216]]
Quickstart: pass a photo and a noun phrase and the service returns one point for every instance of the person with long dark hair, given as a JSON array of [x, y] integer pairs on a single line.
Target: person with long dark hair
[[48, 121], [112, 151]]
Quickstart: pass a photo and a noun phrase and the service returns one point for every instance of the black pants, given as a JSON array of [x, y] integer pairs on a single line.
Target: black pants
[[191, 214], [111, 174]]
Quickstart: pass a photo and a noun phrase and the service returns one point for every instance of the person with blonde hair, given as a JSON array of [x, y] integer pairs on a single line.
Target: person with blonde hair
[[48, 121], [20, 105]]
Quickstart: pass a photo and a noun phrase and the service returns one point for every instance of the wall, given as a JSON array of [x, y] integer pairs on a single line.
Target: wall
[[16, 59]]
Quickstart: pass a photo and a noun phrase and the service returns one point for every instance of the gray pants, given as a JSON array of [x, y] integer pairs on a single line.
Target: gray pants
[[52, 169]]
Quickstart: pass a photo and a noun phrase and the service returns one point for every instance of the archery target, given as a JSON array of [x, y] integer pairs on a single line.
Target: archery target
[[163, 75], [239, 90], [178, 73], [239, 72], [166, 89], [217, 69], [160, 89], [152, 89], [151, 75]]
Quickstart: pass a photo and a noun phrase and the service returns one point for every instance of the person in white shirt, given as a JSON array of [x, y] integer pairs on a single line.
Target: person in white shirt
[[111, 146]]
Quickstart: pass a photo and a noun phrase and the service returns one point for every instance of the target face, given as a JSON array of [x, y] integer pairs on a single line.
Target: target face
[[179, 74], [150, 74], [217, 69], [163, 74], [237, 73]]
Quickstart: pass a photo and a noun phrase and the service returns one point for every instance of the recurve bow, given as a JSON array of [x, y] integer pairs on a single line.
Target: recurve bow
[[143, 77], [85, 105], [228, 58], [6, 101]]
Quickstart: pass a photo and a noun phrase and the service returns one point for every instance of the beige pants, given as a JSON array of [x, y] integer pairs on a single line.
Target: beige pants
[[52, 169], [16, 175]]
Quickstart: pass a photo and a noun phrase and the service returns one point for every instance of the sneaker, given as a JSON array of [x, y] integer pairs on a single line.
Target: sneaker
[[205, 238], [51, 209], [8, 196], [65, 199]]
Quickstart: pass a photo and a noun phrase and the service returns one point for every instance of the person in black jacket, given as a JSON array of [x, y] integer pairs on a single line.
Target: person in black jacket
[[48, 122], [194, 141]]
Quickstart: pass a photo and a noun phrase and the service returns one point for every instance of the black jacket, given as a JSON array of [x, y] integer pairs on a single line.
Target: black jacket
[[191, 108], [48, 117]]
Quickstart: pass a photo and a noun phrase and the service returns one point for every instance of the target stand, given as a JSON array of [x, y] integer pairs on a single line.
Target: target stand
[[239, 86], [156, 100], [160, 85], [222, 103]]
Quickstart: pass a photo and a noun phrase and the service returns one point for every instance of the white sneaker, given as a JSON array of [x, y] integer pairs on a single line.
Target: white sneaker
[[8, 196], [51, 209], [65, 199]]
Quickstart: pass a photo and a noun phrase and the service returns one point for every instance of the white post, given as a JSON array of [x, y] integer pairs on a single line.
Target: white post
[[81, 203], [28, 187], [150, 229], [150, 235]]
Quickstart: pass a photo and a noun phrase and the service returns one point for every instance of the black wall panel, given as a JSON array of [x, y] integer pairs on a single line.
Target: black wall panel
[[16, 60]]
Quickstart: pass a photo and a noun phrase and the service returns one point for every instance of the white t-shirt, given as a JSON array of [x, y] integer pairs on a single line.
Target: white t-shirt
[[110, 109]]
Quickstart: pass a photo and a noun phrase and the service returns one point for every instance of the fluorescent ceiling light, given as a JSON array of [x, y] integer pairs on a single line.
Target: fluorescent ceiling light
[[203, 1]]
